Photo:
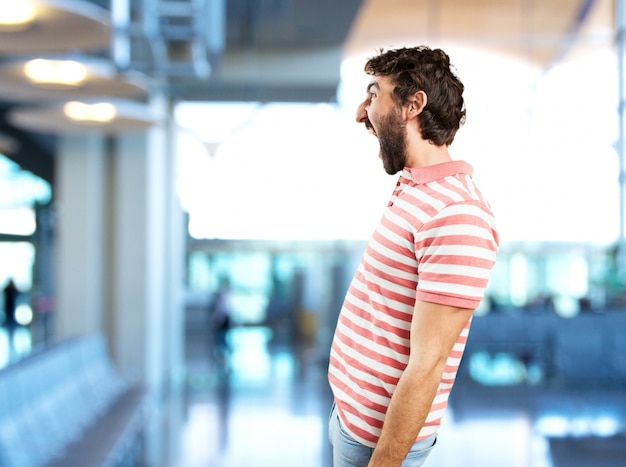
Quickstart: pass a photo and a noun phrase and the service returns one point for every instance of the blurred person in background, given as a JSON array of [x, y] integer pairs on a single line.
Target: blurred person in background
[[220, 318], [11, 293], [403, 326]]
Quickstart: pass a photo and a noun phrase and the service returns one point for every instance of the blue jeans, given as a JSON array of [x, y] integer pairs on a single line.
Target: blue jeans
[[350, 453]]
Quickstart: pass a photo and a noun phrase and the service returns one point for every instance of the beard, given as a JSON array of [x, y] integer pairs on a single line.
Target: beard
[[392, 139]]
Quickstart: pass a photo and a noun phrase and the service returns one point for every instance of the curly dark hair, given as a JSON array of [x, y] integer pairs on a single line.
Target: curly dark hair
[[429, 70]]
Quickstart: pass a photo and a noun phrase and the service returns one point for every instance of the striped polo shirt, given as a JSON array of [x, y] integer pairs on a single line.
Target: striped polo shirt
[[436, 242]]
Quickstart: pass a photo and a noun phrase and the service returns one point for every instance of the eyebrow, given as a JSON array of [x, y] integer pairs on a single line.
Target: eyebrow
[[373, 84]]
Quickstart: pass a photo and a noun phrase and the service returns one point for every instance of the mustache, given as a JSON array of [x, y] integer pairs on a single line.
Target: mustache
[[368, 124]]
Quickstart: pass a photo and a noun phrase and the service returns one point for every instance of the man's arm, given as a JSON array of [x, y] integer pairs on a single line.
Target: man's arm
[[434, 330]]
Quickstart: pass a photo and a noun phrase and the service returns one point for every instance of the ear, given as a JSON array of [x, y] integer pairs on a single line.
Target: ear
[[417, 102]]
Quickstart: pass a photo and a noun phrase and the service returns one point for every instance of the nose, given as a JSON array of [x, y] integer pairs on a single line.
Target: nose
[[361, 112]]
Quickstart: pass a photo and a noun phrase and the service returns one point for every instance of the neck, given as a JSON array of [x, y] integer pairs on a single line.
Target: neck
[[423, 153]]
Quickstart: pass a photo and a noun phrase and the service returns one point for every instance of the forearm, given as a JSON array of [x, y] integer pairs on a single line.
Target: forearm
[[407, 412], [434, 331]]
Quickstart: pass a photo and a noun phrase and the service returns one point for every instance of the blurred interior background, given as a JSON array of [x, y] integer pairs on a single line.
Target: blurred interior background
[[157, 156]]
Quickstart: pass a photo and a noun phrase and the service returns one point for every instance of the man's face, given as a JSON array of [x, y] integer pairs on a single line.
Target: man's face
[[383, 118]]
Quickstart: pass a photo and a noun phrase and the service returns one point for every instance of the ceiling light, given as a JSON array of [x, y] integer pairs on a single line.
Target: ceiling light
[[110, 116], [55, 73], [90, 113], [17, 15]]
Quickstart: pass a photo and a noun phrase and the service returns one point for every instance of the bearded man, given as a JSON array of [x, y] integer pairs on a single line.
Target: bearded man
[[403, 326]]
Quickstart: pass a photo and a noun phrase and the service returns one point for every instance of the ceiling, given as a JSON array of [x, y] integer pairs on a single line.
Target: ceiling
[[291, 50], [542, 32]]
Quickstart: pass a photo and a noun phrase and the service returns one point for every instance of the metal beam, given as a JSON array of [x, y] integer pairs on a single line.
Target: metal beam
[[224, 92], [620, 27], [572, 34]]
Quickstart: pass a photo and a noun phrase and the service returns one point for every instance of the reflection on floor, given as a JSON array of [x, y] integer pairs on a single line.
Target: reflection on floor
[[14, 344], [270, 408], [267, 403], [262, 405]]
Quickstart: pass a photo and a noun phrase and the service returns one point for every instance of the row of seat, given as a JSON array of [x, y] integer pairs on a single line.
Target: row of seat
[[587, 349], [66, 405]]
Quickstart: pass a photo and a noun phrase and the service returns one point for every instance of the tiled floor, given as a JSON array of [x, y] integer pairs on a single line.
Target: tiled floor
[[265, 408], [267, 405], [272, 408]]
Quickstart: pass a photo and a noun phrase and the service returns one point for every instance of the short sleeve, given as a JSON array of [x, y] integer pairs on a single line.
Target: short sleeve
[[456, 251]]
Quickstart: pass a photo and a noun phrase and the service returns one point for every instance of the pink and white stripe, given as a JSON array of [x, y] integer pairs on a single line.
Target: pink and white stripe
[[436, 242]]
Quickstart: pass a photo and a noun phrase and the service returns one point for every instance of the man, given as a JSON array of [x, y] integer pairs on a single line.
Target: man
[[10, 302], [406, 316]]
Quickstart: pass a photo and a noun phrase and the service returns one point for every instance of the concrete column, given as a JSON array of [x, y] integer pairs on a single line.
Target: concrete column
[[176, 232], [135, 276], [147, 256], [80, 208]]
